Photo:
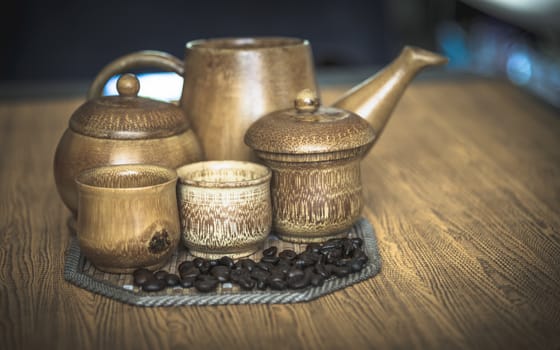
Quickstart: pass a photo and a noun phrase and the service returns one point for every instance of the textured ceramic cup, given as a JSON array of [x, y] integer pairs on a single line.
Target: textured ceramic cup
[[128, 216], [225, 207]]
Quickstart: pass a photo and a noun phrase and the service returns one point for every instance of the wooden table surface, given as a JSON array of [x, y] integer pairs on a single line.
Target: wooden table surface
[[463, 190]]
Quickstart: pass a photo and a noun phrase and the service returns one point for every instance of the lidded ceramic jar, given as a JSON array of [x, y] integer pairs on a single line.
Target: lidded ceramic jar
[[124, 129], [314, 153]]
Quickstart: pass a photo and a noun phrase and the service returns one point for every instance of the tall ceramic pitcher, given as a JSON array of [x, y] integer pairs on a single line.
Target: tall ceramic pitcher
[[228, 84]]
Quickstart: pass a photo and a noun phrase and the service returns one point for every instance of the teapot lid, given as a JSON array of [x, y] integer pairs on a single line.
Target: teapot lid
[[309, 129], [127, 116]]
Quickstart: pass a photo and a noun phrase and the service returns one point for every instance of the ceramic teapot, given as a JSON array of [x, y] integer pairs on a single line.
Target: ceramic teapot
[[230, 83], [123, 129]]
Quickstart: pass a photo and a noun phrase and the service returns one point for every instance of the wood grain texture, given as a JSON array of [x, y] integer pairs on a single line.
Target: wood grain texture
[[225, 208], [313, 202], [463, 190]]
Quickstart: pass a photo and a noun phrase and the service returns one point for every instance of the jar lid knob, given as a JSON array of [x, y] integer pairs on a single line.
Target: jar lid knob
[[128, 85], [307, 101]]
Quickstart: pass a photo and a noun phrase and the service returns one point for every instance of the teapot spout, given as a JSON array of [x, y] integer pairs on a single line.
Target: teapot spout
[[375, 98]]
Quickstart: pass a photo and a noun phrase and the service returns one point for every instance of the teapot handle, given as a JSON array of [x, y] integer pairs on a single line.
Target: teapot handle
[[140, 59]]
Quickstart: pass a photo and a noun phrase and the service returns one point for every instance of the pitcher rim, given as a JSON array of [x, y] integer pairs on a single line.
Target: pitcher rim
[[246, 43]]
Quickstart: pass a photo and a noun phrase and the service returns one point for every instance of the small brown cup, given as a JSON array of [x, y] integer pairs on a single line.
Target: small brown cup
[[225, 207], [127, 216]]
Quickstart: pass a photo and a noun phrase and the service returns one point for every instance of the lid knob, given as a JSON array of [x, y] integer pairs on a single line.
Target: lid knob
[[128, 85], [307, 101]]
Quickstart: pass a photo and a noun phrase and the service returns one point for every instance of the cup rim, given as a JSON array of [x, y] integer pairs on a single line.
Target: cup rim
[[183, 171], [241, 43], [81, 178]]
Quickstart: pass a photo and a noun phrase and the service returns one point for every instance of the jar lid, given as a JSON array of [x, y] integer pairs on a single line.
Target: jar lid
[[309, 129], [127, 116]]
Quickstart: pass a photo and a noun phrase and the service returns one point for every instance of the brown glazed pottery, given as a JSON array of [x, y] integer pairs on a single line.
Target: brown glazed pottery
[[123, 129], [128, 216], [314, 153], [229, 83], [225, 207]]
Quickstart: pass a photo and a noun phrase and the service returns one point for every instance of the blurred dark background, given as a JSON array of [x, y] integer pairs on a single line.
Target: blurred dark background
[[65, 40]]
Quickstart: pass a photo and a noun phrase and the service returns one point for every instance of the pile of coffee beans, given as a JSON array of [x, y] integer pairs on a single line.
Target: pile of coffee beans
[[275, 270]]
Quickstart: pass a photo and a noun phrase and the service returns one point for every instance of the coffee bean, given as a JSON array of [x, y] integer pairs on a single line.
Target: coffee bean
[[347, 248], [358, 253], [139, 280], [246, 264], [261, 284], [342, 271], [303, 261], [277, 275], [221, 272], [343, 262], [361, 257], [171, 279], [287, 254], [141, 276], [153, 285], [264, 266], [298, 282], [356, 265], [357, 242], [333, 255], [237, 273], [315, 256], [283, 263], [191, 272], [184, 266], [270, 251], [308, 271], [226, 261], [160, 274], [313, 248], [295, 272], [332, 243], [276, 282], [260, 275], [208, 284], [246, 283], [205, 276], [320, 269], [303, 255], [270, 259], [198, 262], [205, 267], [281, 269], [317, 280], [187, 282], [329, 268]]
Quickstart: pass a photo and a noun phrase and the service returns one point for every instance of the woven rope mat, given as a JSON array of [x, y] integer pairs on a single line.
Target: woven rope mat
[[82, 273]]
